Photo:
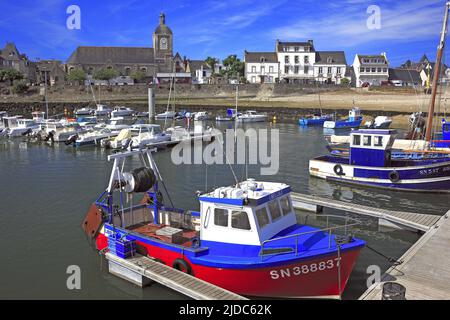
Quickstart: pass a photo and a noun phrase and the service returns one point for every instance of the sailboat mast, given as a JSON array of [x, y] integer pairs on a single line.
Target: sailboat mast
[[436, 74]]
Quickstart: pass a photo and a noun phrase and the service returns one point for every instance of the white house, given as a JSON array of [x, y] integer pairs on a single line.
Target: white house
[[261, 67], [330, 66], [200, 71], [371, 70], [296, 61]]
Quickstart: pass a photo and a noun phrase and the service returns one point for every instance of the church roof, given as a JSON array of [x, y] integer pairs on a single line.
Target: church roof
[[120, 55]]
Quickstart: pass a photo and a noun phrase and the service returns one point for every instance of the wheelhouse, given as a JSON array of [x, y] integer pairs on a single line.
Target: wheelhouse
[[246, 214], [371, 147]]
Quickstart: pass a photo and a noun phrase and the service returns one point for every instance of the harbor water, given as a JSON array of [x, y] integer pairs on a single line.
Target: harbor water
[[47, 189]]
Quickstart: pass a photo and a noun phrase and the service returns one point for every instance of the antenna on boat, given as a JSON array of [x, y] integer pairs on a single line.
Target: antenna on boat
[[436, 71]]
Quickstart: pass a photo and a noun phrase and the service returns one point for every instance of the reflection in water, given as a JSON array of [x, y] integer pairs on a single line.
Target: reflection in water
[[47, 189]]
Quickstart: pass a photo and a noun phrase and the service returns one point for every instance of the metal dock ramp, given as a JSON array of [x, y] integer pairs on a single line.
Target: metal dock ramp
[[130, 269], [424, 270], [417, 221]]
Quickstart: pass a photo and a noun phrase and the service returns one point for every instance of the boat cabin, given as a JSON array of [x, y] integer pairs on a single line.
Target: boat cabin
[[10, 122], [246, 214], [38, 116], [371, 147], [152, 129], [354, 114], [445, 130]]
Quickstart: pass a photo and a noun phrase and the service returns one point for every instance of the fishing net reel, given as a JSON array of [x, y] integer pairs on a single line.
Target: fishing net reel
[[137, 181]]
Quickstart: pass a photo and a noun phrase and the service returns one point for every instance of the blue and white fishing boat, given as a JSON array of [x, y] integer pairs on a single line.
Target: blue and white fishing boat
[[369, 162], [315, 120], [353, 121]]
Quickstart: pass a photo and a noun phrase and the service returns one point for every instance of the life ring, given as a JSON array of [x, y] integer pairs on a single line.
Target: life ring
[[394, 176], [182, 266], [338, 170]]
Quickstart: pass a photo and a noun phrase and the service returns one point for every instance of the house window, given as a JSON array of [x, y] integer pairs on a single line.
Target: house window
[[306, 59], [253, 79], [262, 217], [271, 69], [263, 59], [361, 69], [320, 70], [385, 70], [286, 59], [367, 140], [285, 205], [356, 140], [286, 69], [329, 60], [297, 60], [296, 49], [329, 70], [221, 217], [306, 70], [338, 70], [274, 209], [296, 69], [254, 69], [144, 69], [263, 69], [374, 69], [379, 69], [239, 220]]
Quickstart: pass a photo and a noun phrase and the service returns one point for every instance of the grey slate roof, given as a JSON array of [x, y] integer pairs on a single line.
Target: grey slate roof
[[270, 57], [120, 55], [281, 44], [197, 64], [377, 56], [406, 75], [337, 57]]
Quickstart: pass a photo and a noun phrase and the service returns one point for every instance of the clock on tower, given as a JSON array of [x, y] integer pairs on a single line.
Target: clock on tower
[[163, 43]]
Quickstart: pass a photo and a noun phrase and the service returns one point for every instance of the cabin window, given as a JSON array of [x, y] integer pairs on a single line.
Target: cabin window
[[274, 209], [378, 141], [262, 217], [356, 140], [239, 220], [285, 205], [367, 140], [447, 128], [221, 217]]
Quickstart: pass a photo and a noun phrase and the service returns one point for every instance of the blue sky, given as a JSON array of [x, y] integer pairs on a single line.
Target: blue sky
[[217, 28]]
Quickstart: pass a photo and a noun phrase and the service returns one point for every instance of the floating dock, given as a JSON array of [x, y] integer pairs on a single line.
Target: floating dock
[[142, 271], [414, 221], [424, 270]]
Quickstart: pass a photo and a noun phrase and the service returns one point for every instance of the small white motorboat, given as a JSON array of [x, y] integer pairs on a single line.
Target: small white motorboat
[[102, 111], [251, 116], [59, 132], [147, 134], [166, 115], [201, 116], [122, 112], [85, 111], [92, 137], [22, 127], [380, 122], [116, 123]]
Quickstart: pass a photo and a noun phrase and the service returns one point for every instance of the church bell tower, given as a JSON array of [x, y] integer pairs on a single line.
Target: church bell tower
[[163, 45]]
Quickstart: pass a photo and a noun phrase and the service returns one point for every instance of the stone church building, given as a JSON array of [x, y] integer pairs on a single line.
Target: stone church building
[[152, 61]]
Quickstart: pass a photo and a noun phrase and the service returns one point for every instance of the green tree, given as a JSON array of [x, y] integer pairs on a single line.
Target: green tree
[[19, 87], [11, 75], [77, 75], [345, 81], [211, 61], [106, 74], [137, 75], [234, 67]]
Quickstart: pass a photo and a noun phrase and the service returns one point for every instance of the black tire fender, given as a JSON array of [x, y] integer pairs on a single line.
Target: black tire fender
[[394, 176], [338, 170], [182, 265]]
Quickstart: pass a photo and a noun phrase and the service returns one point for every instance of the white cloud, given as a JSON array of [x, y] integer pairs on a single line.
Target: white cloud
[[346, 26]]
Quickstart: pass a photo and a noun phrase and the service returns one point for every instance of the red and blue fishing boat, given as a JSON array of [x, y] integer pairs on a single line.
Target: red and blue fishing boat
[[245, 238], [315, 119]]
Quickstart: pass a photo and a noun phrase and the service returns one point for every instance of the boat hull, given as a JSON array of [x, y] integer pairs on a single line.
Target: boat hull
[[313, 122], [434, 177], [343, 124], [314, 277]]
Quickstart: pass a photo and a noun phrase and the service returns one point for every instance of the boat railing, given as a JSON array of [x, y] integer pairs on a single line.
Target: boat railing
[[346, 227]]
